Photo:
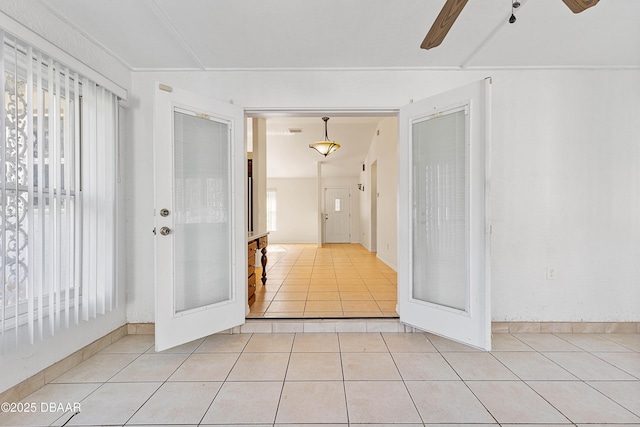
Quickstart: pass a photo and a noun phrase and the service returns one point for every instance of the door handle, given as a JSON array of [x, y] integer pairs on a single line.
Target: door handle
[[165, 231]]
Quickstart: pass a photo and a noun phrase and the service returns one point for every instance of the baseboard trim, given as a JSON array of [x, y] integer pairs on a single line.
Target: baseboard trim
[[565, 327]]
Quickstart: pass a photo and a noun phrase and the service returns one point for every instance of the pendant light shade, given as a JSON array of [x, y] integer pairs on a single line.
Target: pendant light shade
[[325, 147]]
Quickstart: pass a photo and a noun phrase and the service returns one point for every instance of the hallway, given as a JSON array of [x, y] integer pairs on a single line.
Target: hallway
[[335, 281]]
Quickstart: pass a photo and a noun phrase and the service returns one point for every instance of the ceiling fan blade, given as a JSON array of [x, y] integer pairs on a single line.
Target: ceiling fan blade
[[578, 6], [443, 23]]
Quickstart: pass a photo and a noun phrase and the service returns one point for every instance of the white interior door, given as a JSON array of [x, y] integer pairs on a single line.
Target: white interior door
[[444, 252], [200, 232], [337, 212]]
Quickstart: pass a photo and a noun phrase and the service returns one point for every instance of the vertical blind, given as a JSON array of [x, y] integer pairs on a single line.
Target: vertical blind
[[57, 195]]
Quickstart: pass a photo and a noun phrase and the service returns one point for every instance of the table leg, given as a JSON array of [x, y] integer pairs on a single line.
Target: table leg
[[263, 261]]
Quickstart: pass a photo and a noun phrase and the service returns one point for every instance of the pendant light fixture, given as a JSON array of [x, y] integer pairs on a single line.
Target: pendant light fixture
[[325, 147]]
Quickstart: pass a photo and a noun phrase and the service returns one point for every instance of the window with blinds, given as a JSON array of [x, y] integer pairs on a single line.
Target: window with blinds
[[57, 195]]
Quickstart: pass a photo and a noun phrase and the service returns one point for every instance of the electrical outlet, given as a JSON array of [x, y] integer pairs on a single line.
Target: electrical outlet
[[551, 273]]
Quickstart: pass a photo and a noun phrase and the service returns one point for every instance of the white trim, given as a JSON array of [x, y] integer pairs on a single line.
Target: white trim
[[31, 38]]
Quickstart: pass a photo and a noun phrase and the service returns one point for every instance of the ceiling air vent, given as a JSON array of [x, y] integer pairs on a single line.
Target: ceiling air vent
[[295, 130]]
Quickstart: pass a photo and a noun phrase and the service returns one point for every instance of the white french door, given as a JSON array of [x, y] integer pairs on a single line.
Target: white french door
[[444, 232], [200, 231], [337, 213]]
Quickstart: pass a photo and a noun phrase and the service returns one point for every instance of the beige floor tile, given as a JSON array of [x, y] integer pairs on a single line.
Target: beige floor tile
[[260, 367], [245, 402], [224, 343], [323, 296], [412, 343], [628, 362], [290, 296], [533, 366], [150, 367], [328, 407], [581, 403], [260, 306], [388, 306], [266, 294], [99, 368], [355, 296], [483, 366], [323, 288], [294, 288], [322, 315], [625, 393], [546, 342], [514, 402], [507, 342], [205, 367], [447, 402], [131, 344], [385, 295], [369, 366], [315, 343], [631, 341], [323, 306], [360, 306], [380, 402], [323, 281], [67, 393], [593, 342], [444, 345], [587, 366], [186, 348], [284, 315], [375, 288], [314, 367], [271, 343], [352, 287], [114, 403], [286, 306], [177, 403], [362, 314], [296, 281], [361, 342], [423, 366]]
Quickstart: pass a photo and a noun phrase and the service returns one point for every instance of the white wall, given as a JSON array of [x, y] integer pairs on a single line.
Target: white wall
[[564, 185], [297, 211], [384, 151]]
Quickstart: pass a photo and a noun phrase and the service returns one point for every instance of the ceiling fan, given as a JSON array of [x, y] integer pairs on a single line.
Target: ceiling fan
[[452, 9]]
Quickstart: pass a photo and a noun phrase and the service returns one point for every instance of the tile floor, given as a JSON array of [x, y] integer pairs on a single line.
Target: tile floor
[[350, 379], [337, 280]]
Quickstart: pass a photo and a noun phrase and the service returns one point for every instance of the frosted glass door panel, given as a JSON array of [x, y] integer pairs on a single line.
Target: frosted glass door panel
[[202, 221], [439, 212]]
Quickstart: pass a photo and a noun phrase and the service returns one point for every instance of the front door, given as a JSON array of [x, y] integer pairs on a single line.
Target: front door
[[443, 280], [337, 213], [200, 231]]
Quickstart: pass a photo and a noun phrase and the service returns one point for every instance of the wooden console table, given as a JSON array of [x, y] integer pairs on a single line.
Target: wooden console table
[[256, 241]]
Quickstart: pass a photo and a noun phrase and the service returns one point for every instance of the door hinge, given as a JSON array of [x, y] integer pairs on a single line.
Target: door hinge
[[154, 231]]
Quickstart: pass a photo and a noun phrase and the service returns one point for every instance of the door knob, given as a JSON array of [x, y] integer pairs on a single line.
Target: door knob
[[164, 212], [165, 231]]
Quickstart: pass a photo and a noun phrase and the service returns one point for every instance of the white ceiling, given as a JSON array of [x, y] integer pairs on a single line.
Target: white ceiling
[[257, 34], [289, 155], [297, 34]]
